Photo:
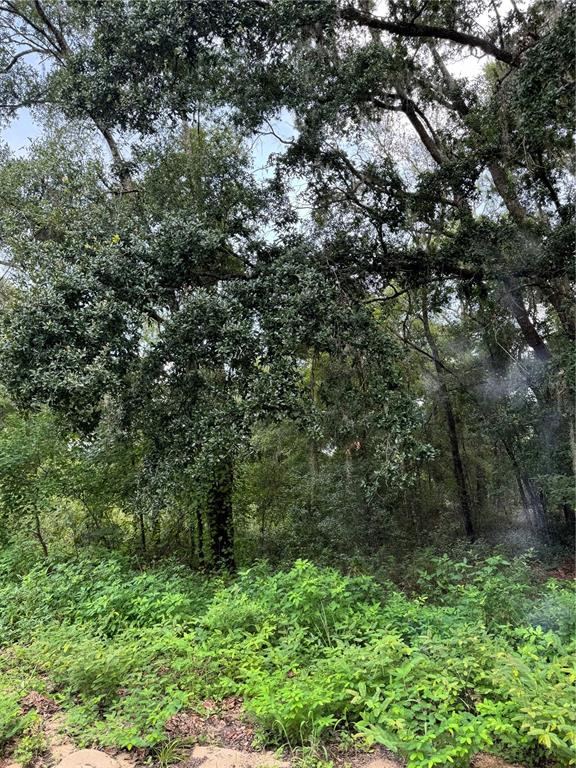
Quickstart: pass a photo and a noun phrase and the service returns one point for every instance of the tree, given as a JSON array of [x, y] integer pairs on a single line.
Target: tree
[[200, 328]]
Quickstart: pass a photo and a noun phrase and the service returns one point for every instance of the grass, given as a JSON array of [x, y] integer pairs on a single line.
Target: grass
[[479, 656]]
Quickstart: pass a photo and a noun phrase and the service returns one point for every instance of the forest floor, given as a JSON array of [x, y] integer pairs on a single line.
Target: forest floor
[[212, 742], [163, 667]]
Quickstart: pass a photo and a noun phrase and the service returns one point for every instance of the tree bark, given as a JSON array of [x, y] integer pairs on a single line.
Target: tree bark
[[39, 535], [200, 535], [432, 32], [126, 181], [530, 513], [516, 305], [559, 293], [220, 517]]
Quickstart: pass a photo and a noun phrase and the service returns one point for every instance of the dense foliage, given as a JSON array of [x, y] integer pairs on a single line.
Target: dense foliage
[[479, 656], [176, 303], [289, 281]]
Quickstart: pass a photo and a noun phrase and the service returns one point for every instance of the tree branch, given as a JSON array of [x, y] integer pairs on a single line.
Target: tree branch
[[410, 29], [17, 56]]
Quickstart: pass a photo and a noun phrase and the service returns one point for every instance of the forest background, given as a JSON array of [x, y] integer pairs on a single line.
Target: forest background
[[289, 285]]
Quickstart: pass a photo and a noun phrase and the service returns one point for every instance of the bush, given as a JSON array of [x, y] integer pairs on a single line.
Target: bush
[[12, 722], [436, 677]]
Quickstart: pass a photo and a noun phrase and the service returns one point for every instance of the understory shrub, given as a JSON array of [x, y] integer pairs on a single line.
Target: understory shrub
[[436, 676]]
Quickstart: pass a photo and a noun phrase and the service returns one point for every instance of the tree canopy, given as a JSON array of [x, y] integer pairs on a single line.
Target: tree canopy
[[380, 327]]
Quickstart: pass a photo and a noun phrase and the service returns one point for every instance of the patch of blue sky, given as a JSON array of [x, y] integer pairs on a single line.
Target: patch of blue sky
[[20, 132]]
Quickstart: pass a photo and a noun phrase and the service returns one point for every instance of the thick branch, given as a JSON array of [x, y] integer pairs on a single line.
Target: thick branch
[[560, 294], [17, 56], [409, 29], [410, 111], [12, 9], [515, 208], [119, 161], [407, 106], [454, 91], [51, 32], [58, 36], [516, 306]]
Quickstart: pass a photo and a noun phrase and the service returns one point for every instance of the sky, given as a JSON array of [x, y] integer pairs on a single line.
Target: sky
[[21, 132]]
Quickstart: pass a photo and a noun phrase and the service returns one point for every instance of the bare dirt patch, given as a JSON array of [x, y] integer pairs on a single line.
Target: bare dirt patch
[[484, 760], [220, 737], [223, 725], [564, 572], [375, 757], [44, 705], [220, 757]]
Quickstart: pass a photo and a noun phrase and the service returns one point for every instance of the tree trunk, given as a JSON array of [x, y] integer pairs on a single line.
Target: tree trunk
[[481, 494], [570, 521], [560, 294], [532, 503], [155, 528], [200, 535], [515, 304], [220, 516], [538, 506], [313, 447], [39, 535], [142, 528], [457, 464]]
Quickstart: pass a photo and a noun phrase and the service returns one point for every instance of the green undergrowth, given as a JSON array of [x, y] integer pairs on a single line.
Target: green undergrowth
[[479, 655]]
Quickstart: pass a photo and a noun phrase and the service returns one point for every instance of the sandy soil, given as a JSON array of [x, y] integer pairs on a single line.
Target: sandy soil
[[219, 738]]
